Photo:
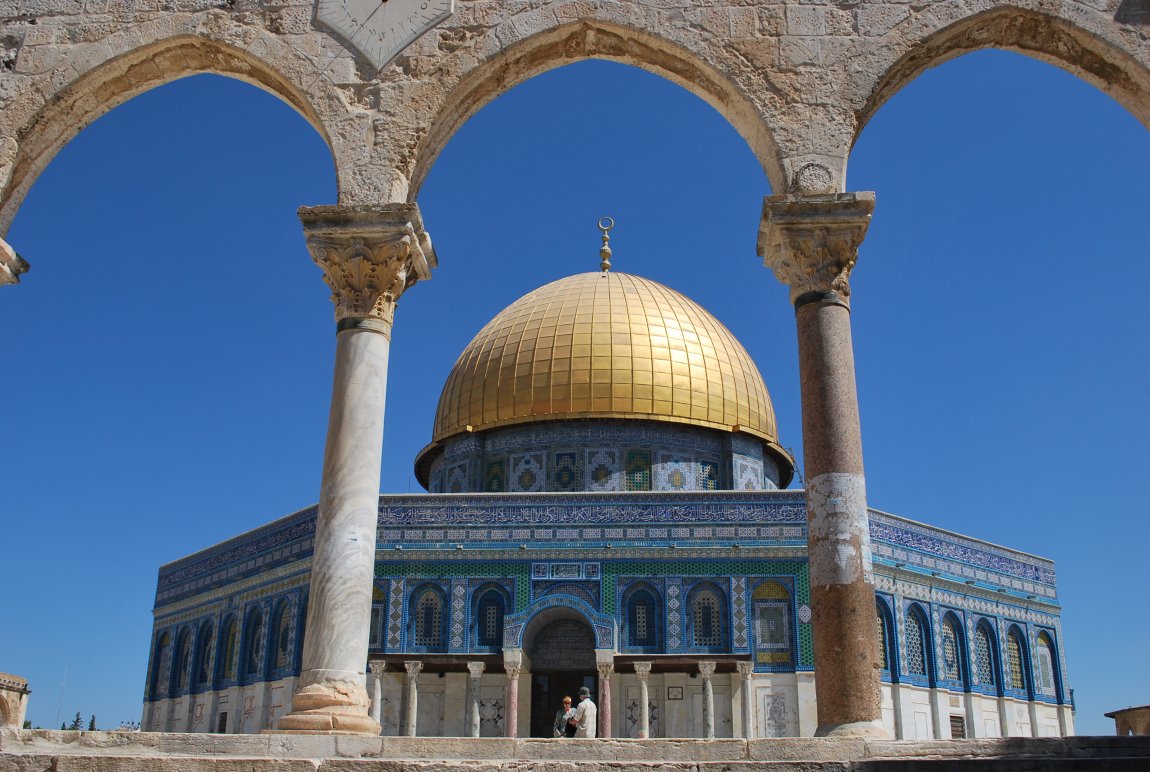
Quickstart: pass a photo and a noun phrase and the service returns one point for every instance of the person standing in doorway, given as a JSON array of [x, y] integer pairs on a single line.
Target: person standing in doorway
[[584, 718], [565, 714]]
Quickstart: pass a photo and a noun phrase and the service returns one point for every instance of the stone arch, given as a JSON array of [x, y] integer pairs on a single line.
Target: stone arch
[[30, 139], [6, 714], [1091, 56], [624, 40]]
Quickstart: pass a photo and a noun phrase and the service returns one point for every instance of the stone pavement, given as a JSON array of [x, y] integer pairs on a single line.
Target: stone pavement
[[62, 751]]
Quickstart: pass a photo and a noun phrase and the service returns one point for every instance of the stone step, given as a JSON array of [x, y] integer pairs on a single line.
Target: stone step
[[62, 751], [119, 763]]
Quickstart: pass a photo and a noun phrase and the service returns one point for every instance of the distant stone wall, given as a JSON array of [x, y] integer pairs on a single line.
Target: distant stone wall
[[14, 693], [1131, 721]]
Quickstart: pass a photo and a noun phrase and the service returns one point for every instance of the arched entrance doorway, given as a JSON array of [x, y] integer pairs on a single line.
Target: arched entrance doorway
[[562, 660]]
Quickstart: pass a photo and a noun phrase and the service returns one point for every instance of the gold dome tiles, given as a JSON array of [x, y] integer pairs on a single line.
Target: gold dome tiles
[[605, 345]]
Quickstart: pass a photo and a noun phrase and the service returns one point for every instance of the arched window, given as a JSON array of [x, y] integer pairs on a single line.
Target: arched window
[[231, 641], [253, 643], [1015, 664], [161, 664], [772, 620], [917, 640], [183, 664], [489, 612], [882, 618], [707, 618], [984, 659], [643, 626], [428, 620], [1047, 679], [281, 650], [204, 655], [953, 652]]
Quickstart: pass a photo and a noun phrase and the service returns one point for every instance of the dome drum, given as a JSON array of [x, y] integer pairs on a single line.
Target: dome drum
[[600, 455]]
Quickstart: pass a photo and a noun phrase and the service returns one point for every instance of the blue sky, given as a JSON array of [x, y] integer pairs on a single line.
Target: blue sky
[[167, 363]]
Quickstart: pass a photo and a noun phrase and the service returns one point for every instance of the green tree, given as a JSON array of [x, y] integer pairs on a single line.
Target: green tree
[[27, 723], [63, 725], [77, 722], [92, 723]]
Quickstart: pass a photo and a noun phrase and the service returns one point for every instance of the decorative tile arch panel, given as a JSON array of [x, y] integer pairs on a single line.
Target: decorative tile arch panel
[[514, 625]]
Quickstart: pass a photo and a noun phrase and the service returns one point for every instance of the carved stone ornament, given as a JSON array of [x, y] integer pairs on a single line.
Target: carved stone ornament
[[369, 256], [811, 242], [381, 29], [11, 264]]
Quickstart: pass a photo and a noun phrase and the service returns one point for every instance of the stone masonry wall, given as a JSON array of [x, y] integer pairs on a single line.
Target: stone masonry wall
[[798, 80]]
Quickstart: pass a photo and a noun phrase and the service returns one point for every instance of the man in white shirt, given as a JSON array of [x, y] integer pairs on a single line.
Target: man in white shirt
[[584, 718]]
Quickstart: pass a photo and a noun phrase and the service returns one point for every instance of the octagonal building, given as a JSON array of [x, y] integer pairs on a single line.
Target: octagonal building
[[608, 508]]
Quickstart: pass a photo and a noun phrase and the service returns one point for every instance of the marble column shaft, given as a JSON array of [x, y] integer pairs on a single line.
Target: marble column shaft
[[812, 243], [606, 670], [643, 672], [707, 670], [747, 670], [511, 717], [377, 668], [475, 669], [411, 716], [369, 257]]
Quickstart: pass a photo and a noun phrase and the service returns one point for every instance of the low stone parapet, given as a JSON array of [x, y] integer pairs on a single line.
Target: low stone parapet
[[65, 751]]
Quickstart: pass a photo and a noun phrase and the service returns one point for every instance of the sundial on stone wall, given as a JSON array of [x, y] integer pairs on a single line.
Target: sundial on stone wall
[[381, 29]]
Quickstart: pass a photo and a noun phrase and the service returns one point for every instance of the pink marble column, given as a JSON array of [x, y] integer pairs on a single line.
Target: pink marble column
[[707, 669], [606, 670], [811, 243], [511, 716]]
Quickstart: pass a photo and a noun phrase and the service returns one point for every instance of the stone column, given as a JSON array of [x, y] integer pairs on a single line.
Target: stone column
[[746, 670], [606, 670], [811, 243], [369, 256], [411, 717], [707, 670], [476, 670], [642, 672], [377, 668], [511, 716]]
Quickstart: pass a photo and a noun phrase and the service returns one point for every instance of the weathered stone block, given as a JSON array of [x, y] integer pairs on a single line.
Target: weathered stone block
[[806, 20]]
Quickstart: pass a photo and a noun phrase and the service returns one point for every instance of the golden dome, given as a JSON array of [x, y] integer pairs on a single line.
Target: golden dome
[[605, 345]]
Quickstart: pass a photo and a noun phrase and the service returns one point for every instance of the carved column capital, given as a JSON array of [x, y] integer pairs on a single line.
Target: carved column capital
[[11, 264], [413, 669], [369, 256], [707, 669], [377, 667], [811, 242], [745, 668], [606, 669], [512, 670], [642, 670], [476, 668]]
